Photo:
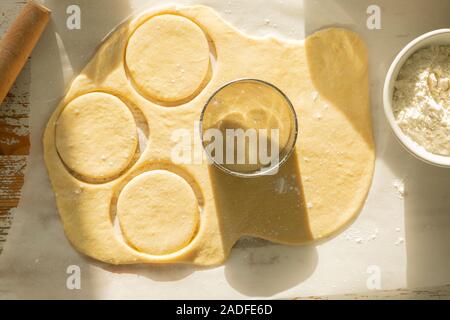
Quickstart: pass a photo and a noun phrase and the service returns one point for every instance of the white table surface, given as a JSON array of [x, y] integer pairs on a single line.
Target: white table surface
[[424, 213]]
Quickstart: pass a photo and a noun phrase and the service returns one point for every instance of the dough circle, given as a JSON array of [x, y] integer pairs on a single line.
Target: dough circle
[[150, 217], [168, 58], [96, 136]]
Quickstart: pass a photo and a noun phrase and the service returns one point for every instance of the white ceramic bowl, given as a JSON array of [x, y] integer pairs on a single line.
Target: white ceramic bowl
[[437, 37]]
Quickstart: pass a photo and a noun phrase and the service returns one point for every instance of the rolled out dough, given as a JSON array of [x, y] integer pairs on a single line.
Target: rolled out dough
[[316, 194]]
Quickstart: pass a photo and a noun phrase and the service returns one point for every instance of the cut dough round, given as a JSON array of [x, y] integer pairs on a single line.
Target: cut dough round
[[168, 58], [150, 217], [96, 136]]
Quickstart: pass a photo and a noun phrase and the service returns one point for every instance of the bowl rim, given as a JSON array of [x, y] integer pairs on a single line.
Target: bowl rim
[[410, 145]]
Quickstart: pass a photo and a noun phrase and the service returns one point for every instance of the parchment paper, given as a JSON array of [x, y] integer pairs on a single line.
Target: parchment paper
[[401, 238]]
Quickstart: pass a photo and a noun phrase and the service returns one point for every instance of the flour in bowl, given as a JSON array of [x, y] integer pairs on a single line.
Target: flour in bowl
[[422, 99]]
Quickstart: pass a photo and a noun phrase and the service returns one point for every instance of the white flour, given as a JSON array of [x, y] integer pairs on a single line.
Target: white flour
[[422, 99]]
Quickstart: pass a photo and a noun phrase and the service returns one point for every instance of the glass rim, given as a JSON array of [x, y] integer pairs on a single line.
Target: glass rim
[[293, 139]]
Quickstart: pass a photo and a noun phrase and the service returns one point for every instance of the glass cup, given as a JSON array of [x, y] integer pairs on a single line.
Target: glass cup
[[248, 128]]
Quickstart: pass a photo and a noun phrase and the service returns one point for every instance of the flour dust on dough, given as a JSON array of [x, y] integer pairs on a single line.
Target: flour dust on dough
[[318, 192]]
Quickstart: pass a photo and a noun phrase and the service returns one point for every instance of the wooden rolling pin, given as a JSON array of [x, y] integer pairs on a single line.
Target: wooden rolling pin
[[18, 43]]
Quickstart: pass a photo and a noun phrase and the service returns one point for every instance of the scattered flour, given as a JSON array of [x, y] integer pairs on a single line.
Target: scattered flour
[[422, 99], [399, 187], [359, 237], [400, 241]]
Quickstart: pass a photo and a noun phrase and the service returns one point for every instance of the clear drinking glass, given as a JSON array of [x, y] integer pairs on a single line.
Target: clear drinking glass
[[249, 128]]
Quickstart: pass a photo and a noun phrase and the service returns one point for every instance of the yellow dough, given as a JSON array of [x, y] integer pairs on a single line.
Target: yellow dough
[[153, 226], [96, 136], [315, 195], [168, 58]]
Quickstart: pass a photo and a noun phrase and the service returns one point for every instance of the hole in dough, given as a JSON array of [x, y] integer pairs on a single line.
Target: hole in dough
[[96, 136], [158, 212], [168, 58]]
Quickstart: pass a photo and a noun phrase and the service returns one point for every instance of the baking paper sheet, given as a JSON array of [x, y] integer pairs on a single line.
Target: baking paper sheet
[[401, 239]]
